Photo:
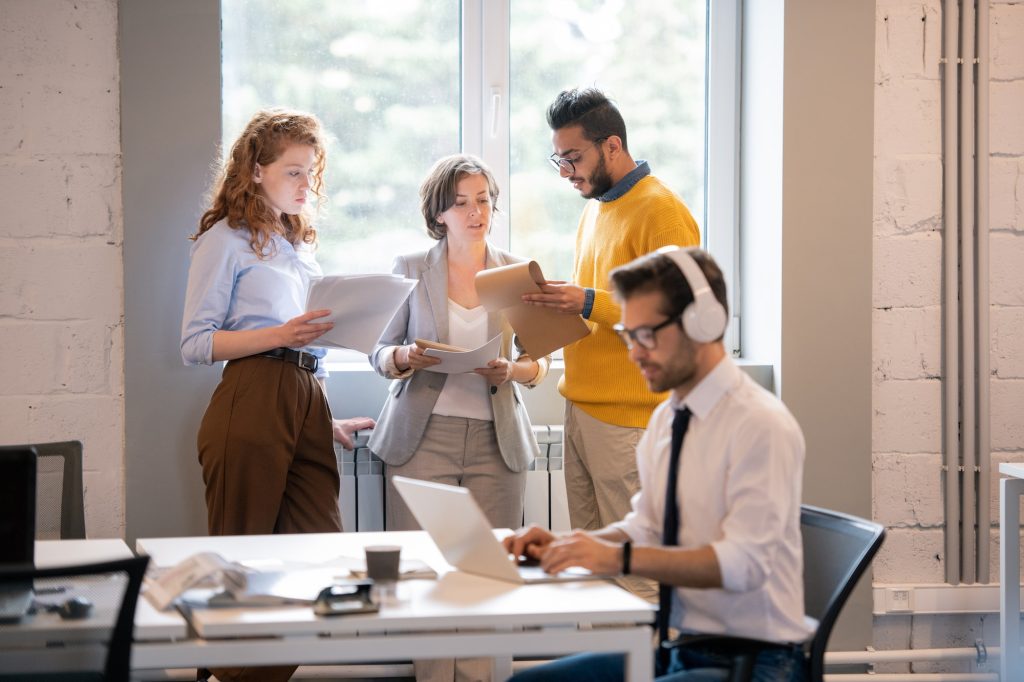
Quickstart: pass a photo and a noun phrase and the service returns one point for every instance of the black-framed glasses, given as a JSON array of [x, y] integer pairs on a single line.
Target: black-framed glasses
[[646, 336], [560, 163]]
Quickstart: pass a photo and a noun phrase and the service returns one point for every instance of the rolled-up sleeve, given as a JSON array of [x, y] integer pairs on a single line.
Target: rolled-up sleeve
[[211, 278], [760, 496], [382, 357]]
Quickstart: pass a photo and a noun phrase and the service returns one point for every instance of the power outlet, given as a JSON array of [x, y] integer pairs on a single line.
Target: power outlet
[[899, 600]]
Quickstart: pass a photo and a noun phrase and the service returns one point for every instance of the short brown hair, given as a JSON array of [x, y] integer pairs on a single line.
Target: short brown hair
[[437, 193], [658, 272]]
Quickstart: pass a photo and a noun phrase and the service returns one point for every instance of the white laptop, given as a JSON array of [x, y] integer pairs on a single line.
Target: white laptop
[[460, 530]]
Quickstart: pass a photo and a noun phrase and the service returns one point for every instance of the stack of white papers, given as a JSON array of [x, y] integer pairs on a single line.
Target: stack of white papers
[[463, 361], [361, 307]]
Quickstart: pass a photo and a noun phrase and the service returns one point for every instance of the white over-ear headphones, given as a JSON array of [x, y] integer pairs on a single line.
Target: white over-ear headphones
[[704, 320]]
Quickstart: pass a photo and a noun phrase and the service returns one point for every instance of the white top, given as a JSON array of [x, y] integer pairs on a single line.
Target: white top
[[739, 485], [466, 395]]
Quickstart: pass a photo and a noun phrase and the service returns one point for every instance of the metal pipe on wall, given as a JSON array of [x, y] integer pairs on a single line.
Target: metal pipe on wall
[[908, 655], [968, 501], [951, 393], [911, 677], [981, 158]]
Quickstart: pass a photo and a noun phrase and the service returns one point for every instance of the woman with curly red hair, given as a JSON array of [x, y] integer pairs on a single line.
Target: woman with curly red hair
[[265, 443]]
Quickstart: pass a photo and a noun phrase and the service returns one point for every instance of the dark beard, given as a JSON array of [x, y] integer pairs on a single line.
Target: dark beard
[[600, 181]]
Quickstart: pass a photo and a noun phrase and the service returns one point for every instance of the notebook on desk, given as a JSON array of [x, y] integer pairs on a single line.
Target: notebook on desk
[[17, 526], [460, 530]]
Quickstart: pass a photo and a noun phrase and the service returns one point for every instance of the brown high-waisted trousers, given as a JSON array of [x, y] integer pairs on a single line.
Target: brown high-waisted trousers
[[267, 451]]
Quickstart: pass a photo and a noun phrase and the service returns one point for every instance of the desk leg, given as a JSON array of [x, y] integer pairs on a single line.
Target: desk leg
[[1010, 490], [639, 656]]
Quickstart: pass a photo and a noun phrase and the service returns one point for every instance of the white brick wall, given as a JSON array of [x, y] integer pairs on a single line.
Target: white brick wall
[[61, 289], [907, 345]]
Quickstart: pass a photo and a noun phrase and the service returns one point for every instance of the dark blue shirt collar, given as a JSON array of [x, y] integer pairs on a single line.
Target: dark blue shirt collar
[[642, 170]]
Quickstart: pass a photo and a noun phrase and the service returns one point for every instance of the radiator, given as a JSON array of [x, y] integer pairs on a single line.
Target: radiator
[[361, 501]]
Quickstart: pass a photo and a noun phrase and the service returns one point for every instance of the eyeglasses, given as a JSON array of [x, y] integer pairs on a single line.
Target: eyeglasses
[[560, 163], [645, 337]]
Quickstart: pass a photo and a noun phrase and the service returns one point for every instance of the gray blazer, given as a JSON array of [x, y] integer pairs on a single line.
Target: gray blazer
[[411, 400]]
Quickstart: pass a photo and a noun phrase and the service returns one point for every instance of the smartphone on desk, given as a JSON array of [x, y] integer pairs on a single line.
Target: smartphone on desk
[[344, 598]]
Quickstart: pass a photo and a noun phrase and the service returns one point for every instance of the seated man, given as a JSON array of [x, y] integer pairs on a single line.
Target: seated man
[[718, 526]]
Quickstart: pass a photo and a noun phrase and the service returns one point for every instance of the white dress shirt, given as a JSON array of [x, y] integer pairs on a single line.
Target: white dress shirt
[[739, 485]]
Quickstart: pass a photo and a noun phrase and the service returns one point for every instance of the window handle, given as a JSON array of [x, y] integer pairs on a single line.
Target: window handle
[[495, 108]]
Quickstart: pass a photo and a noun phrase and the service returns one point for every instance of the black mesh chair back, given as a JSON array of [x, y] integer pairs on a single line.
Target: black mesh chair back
[[838, 548], [97, 647], [60, 506]]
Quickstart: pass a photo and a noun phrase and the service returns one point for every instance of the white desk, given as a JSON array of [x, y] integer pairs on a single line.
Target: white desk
[[1011, 665], [35, 632], [494, 618]]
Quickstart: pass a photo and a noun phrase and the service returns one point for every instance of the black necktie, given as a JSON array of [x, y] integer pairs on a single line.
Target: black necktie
[[670, 527]]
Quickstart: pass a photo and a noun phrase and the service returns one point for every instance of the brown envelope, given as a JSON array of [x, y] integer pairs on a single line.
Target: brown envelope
[[541, 330], [425, 345]]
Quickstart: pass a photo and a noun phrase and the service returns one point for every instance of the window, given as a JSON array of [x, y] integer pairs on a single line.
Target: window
[[400, 83], [384, 79]]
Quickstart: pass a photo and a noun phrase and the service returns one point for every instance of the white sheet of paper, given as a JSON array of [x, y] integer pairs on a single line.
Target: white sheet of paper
[[361, 307], [453, 362]]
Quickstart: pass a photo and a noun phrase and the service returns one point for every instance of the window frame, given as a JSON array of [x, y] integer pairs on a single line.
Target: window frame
[[486, 29], [485, 130]]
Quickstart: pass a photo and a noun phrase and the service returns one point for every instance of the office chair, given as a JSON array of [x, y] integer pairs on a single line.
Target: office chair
[[60, 503], [113, 587], [838, 548]]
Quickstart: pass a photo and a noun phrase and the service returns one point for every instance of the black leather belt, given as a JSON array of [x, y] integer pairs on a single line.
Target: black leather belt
[[306, 361]]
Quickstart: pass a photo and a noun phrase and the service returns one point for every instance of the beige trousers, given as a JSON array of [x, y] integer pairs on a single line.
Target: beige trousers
[[601, 478], [462, 452]]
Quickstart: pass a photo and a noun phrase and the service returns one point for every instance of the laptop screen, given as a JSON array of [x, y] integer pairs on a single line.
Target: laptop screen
[[17, 506]]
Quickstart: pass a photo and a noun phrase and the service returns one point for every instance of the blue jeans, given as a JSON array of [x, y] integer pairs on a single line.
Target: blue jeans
[[775, 665]]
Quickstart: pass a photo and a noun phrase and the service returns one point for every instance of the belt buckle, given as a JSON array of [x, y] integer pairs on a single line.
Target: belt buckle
[[308, 361]]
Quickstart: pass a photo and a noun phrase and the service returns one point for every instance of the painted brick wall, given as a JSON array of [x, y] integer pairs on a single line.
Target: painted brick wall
[[906, 334], [61, 291]]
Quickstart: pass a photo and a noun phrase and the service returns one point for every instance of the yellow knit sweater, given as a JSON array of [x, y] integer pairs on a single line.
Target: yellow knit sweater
[[599, 377]]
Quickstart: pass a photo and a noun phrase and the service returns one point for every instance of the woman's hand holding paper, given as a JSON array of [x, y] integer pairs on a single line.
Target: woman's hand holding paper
[[412, 356], [497, 371]]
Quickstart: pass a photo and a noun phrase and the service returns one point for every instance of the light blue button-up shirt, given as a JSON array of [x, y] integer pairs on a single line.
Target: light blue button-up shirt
[[230, 289]]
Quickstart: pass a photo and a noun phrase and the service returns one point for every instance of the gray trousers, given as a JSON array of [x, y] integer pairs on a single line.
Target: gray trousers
[[462, 452]]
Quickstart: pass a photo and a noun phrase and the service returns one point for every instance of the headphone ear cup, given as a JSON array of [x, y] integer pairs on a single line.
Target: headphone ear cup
[[691, 323], [704, 321]]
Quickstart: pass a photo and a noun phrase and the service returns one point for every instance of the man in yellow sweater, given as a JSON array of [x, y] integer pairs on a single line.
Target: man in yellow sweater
[[630, 213]]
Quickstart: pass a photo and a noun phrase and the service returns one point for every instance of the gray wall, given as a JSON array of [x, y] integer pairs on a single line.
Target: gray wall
[[828, 141], [807, 228], [170, 129]]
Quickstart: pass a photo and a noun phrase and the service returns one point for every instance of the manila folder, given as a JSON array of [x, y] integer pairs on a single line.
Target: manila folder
[[540, 329]]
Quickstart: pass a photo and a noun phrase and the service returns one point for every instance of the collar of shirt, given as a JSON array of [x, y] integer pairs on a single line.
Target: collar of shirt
[[710, 391], [619, 189]]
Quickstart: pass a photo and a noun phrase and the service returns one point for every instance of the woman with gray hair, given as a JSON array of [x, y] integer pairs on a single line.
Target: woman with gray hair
[[471, 429]]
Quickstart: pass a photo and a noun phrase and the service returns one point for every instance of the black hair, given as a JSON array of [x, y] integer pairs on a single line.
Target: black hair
[[592, 110]]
